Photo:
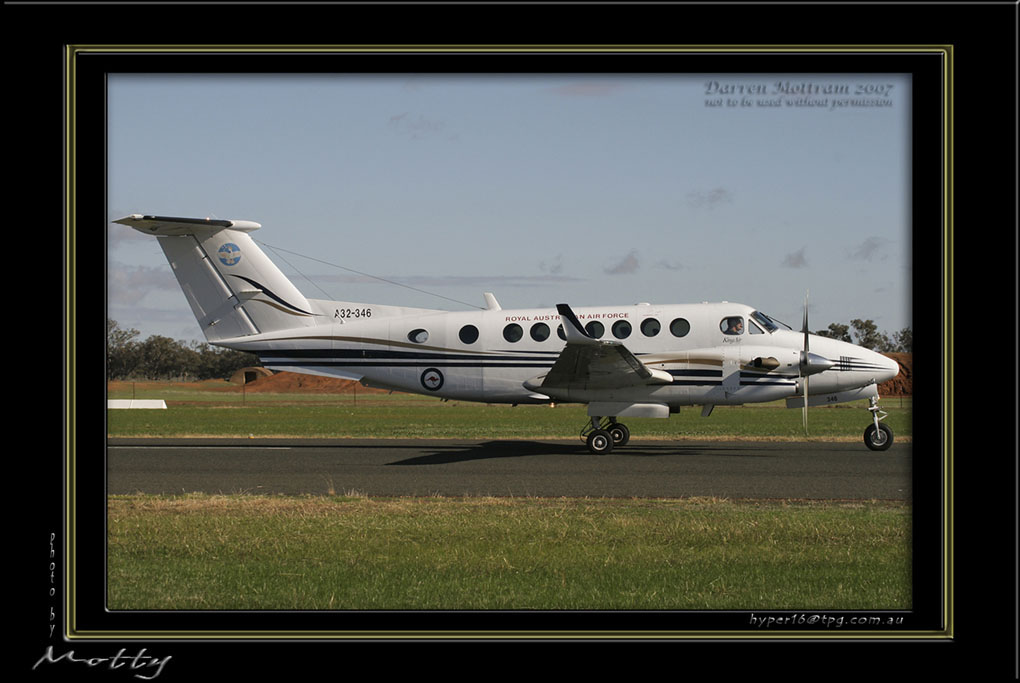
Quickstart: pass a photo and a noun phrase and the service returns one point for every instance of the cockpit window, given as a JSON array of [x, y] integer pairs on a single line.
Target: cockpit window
[[770, 324], [732, 325], [753, 329]]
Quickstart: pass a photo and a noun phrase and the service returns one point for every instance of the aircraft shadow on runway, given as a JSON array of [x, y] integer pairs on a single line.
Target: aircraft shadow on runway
[[489, 450]]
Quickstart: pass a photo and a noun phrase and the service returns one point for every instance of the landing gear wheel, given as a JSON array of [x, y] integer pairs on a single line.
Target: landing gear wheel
[[600, 442], [620, 434], [878, 438]]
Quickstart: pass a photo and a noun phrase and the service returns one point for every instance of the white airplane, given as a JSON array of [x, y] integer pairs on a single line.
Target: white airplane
[[640, 360]]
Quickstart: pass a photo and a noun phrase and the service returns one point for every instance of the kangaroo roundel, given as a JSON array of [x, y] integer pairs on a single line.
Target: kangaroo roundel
[[432, 379]]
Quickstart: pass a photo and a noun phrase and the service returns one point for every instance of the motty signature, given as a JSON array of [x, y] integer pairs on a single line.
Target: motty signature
[[141, 663]]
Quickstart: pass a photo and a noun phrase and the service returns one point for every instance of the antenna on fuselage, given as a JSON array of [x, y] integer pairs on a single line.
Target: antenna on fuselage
[[490, 302]]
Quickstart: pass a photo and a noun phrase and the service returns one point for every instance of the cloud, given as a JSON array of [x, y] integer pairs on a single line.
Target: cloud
[[702, 199], [669, 265], [554, 268], [476, 281], [795, 259], [869, 249], [629, 264], [417, 128], [484, 280], [127, 285], [587, 89]]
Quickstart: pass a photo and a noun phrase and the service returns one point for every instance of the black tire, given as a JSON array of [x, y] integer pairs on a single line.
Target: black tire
[[600, 442], [878, 439], [620, 434]]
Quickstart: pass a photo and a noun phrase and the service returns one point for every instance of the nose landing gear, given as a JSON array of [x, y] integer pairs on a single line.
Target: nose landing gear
[[877, 437]]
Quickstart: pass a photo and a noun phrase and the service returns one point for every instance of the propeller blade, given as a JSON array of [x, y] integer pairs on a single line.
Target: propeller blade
[[804, 358], [804, 409], [805, 328]]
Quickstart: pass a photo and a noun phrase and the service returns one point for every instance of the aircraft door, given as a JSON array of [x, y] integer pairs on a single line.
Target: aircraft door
[[731, 369]]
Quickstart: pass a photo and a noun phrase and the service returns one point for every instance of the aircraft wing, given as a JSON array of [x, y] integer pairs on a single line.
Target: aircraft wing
[[588, 363]]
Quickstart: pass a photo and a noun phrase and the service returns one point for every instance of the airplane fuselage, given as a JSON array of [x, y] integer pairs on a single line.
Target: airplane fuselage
[[500, 356]]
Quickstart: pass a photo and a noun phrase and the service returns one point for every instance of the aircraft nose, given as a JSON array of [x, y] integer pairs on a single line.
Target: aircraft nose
[[890, 368]]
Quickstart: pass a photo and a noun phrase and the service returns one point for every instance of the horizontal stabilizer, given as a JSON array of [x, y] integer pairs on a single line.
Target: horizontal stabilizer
[[173, 225]]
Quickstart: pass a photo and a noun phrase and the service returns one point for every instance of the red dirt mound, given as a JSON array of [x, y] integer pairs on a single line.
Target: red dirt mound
[[293, 382], [903, 383]]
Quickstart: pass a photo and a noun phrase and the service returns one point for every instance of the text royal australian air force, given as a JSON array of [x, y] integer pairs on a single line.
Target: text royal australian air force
[[527, 317]]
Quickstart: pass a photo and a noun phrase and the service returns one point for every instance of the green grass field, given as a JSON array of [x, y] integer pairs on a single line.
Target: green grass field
[[227, 412], [317, 553], [249, 552]]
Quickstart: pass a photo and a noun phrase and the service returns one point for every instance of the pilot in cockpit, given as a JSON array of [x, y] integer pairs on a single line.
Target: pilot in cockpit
[[733, 325]]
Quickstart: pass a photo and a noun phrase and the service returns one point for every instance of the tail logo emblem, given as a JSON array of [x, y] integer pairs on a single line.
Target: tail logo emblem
[[229, 254]]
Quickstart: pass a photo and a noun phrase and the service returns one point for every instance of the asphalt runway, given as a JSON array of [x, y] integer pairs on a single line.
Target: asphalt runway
[[386, 467]]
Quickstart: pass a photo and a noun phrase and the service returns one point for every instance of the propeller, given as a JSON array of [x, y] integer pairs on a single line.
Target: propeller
[[810, 363]]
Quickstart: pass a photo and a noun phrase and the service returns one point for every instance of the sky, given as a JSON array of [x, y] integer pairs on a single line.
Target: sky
[[584, 189]]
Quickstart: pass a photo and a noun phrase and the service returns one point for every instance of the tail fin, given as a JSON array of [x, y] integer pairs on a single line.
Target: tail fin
[[233, 288]]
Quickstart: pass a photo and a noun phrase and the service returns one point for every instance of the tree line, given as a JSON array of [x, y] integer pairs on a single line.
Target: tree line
[[865, 333], [162, 358]]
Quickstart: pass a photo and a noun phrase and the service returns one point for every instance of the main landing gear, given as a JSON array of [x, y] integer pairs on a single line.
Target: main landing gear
[[603, 434], [877, 437]]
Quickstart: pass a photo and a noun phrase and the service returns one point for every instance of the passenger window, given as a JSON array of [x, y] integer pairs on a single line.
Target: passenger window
[[418, 336], [560, 333], [650, 327], [595, 329], [539, 332], [469, 334], [621, 329], [680, 327], [732, 325], [513, 332]]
